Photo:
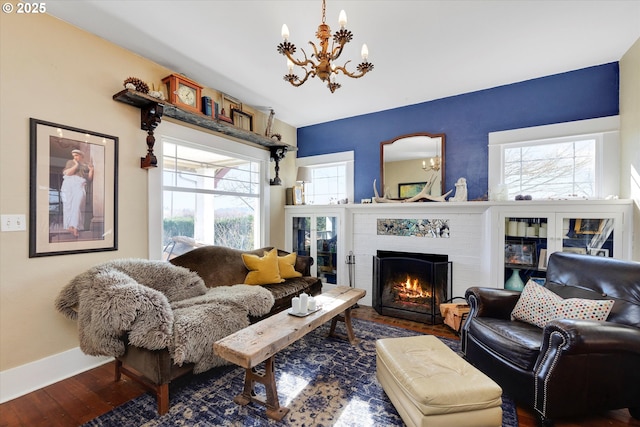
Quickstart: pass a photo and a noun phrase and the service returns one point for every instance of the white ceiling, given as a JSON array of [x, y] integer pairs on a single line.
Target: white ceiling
[[421, 50]]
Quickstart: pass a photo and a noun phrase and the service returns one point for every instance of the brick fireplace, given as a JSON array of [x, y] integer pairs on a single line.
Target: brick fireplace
[[411, 285]]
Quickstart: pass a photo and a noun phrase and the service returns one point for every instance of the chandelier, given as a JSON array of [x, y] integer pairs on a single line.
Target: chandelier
[[323, 66]]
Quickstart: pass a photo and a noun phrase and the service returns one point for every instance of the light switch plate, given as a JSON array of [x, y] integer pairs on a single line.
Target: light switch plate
[[13, 223]]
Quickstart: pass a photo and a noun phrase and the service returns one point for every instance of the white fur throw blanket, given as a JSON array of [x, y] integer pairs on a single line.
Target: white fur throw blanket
[[158, 305]]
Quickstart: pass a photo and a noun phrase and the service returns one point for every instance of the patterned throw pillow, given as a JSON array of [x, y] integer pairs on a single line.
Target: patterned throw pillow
[[538, 305], [587, 309], [262, 270]]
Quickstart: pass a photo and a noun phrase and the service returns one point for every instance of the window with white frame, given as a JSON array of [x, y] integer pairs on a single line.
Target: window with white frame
[[331, 178], [566, 160], [209, 197], [551, 169]]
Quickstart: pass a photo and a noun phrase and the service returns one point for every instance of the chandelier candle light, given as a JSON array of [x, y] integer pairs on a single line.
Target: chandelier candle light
[[323, 67]]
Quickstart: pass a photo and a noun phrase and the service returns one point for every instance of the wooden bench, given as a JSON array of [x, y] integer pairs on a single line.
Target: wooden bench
[[261, 341]]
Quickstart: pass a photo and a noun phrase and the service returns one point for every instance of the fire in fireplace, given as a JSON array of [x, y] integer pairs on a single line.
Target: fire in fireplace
[[411, 285]]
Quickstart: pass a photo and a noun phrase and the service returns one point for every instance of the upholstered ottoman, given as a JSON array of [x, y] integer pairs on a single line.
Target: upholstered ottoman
[[430, 385]]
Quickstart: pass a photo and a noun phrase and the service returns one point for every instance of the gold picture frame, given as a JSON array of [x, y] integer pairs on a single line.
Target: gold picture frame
[[589, 226]]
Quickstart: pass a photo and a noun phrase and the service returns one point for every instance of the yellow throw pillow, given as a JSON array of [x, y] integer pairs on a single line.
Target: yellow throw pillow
[[262, 270], [286, 264]]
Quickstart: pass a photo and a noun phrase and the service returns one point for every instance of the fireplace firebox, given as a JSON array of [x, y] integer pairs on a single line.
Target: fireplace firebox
[[411, 285]]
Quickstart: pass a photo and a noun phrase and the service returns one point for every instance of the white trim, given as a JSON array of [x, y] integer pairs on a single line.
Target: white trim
[[608, 146], [195, 137], [558, 130], [344, 156], [18, 381]]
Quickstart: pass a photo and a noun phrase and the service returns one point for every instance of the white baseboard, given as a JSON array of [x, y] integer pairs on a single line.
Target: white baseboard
[[24, 379]]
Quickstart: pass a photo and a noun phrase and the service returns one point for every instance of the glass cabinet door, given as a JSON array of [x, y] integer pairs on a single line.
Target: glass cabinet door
[[327, 247], [525, 250], [317, 236], [301, 236], [590, 236]]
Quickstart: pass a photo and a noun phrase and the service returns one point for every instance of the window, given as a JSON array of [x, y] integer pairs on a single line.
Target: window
[[551, 169], [332, 178], [566, 160], [327, 184], [206, 190]]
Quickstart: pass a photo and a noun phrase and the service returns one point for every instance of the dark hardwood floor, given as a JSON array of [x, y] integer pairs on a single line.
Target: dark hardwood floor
[[78, 399]]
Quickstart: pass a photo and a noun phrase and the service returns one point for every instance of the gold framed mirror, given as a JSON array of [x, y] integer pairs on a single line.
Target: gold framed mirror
[[409, 162]]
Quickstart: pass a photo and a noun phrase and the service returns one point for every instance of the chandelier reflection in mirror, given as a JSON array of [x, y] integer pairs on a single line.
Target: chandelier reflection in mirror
[[323, 66], [434, 163]]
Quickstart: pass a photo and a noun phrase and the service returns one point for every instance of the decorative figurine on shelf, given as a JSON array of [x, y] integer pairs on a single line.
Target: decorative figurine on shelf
[[156, 93], [461, 191]]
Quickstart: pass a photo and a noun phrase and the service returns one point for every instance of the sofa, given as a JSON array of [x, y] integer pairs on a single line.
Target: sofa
[[568, 348], [160, 319]]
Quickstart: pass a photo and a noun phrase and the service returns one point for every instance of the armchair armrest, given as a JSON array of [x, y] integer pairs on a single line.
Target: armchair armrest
[[588, 336], [491, 302], [589, 359]]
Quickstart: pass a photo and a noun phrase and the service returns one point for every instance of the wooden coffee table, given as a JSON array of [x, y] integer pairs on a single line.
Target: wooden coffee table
[[261, 341]]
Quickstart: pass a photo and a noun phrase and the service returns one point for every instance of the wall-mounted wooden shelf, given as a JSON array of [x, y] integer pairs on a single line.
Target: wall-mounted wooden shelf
[[153, 109]]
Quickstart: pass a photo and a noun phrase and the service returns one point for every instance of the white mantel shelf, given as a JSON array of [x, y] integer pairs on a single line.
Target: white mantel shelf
[[476, 233], [472, 206]]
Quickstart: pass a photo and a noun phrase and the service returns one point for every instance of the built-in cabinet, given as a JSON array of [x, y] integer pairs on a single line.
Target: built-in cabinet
[[528, 241], [528, 237], [318, 233]]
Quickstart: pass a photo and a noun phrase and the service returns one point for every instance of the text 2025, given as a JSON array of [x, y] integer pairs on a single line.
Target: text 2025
[[31, 7]]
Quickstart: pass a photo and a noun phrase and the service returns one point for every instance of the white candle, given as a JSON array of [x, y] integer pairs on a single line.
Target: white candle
[[295, 305], [304, 302], [312, 304]]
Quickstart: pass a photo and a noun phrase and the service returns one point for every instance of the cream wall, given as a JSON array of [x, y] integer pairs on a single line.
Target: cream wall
[[55, 72], [630, 135]]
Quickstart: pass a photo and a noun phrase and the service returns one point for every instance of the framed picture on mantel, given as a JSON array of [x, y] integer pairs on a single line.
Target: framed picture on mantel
[[407, 190]]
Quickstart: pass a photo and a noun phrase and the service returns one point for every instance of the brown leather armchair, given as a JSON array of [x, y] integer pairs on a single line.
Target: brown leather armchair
[[569, 367]]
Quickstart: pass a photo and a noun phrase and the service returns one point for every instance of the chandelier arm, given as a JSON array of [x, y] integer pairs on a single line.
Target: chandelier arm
[[297, 62], [344, 71], [337, 51], [295, 81], [315, 49], [307, 74]]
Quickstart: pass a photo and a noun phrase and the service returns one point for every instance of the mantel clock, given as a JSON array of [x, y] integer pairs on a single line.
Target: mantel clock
[[183, 92]]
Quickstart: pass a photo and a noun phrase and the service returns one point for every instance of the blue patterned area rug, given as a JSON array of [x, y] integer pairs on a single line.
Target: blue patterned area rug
[[323, 381]]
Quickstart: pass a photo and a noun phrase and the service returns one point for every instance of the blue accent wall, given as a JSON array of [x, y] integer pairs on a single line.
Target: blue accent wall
[[467, 120]]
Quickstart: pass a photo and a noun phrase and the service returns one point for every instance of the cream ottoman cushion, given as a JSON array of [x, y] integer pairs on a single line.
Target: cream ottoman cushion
[[430, 385]]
